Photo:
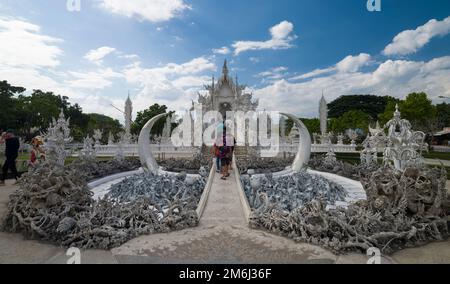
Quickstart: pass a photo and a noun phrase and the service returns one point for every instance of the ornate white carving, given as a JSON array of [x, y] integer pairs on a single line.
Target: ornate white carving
[[98, 134], [341, 138], [110, 139], [304, 149], [353, 135], [145, 153], [88, 152], [404, 146], [56, 138]]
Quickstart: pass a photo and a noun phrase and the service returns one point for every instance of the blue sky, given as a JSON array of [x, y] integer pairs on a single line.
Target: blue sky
[[286, 51]]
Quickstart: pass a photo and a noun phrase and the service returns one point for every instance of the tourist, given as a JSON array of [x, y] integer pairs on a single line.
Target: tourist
[[37, 154], [216, 153], [224, 154], [230, 142], [217, 145], [11, 153]]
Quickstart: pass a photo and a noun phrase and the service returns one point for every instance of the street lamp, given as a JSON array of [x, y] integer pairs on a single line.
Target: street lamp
[[444, 97]]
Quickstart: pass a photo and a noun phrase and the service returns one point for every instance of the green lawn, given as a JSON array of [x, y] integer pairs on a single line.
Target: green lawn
[[437, 155]]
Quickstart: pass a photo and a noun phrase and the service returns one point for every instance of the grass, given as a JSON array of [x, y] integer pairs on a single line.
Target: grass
[[437, 155]]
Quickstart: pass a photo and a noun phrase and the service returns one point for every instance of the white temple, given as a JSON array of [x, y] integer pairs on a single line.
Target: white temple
[[227, 95]]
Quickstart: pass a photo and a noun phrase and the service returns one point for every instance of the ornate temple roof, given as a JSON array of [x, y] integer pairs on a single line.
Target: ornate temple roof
[[227, 90]]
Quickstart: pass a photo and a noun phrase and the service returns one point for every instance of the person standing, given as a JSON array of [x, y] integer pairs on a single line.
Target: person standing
[[217, 147], [224, 154], [37, 155], [11, 153]]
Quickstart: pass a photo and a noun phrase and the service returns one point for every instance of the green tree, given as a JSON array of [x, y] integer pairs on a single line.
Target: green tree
[[144, 116], [313, 125], [355, 119], [443, 115], [389, 111], [105, 123], [418, 109], [370, 104], [35, 112], [8, 105]]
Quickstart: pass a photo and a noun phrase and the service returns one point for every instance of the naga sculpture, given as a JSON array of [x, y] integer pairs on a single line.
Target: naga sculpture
[[304, 149], [145, 153]]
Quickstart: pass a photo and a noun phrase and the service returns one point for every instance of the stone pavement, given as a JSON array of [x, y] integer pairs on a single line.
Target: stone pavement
[[221, 237]]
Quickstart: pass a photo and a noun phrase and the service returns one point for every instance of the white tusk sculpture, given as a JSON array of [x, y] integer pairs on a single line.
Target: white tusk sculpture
[[145, 153], [304, 149]]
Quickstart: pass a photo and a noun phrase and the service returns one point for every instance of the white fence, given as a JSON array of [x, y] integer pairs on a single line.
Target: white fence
[[442, 149], [132, 150], [169, 151]]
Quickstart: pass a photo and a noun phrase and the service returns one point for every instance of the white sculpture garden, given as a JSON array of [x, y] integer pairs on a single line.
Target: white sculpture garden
[[388, 203]]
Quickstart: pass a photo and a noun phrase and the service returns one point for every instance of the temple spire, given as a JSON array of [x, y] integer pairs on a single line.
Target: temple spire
[[323, 114], [225, 69], [128, 98]]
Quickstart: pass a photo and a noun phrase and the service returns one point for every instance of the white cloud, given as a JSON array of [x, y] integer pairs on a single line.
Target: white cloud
[[223, 50], [282, 30], [23, 44], [96, 55], [273, 74], [353, 63], [396, 78], [130, 56], [315, 73], [28, 57], [149, 10], [254, 60], [172, 84], [347, 65], [281, 39], [93, 80], [410, 41]]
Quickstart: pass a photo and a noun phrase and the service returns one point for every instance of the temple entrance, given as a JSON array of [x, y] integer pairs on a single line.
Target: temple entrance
[[224, 108]]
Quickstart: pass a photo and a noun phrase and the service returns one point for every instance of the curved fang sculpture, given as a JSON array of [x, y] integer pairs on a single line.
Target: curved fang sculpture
[[145, 153], [304, 149]]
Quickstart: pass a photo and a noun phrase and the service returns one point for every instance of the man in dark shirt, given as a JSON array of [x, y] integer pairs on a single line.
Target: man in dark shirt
[[11, 153]]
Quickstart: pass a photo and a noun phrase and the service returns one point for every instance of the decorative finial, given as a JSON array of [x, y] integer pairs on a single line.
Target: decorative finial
[[397, 111], [128, 101], [225, 68]]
